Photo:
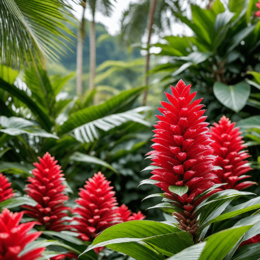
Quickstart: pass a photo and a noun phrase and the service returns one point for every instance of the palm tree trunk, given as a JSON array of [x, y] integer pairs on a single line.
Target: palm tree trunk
[[81, 34], [92, 54], [149, 28]]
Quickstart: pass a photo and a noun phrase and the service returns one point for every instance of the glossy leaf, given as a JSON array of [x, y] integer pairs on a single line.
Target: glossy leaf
[[248, 252], [17, 201], [179, 190], [233, 97], [80, 157]]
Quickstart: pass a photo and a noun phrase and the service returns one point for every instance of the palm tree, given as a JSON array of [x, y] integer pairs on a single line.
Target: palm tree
[[32, 31], [81, 35], [105, 7], [141, 18]]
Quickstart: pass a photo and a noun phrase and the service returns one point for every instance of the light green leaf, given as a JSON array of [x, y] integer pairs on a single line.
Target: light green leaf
[[190, 253], [233, 97], [65, 235], [16, 168], [179, 190], [249, 123], [248, 252], [17, 201], [219, 244], [80, 157]]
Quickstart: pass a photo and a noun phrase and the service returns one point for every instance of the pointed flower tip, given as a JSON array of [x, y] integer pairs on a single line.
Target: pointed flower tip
[[6, 192], [14, 237]]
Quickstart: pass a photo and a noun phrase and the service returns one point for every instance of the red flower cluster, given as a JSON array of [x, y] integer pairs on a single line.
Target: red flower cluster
[[182, 151], [228, 148], [69, 255], [47, 190], [124, 214], [257, 13], [96, 211], [6, 192], [14, 237]]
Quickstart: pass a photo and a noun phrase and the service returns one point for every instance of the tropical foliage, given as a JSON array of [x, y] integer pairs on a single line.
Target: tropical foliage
[[56, 138]]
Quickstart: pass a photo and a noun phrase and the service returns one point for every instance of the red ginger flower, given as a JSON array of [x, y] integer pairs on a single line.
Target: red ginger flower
[[124, 214], [14, 237], [47, 190], [69, 255], [228, 148], [183, 151], [6, 192], [252, 240], [257, 13], [96, 211]]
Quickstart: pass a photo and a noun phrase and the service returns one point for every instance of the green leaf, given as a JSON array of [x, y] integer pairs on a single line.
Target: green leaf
[[16, 168], [23, 97], [252, 83], [233, 97], [190, 253], [89, 132], [65, 235], [93, 113], [171, 243], [128, 231], [17, 201], [80, 157], [222, 20], [2, 152], [8, 74], [219, 244], [256, 75], [236, 5], [179, 190], [148, 181], [249, 123], [248, 252]]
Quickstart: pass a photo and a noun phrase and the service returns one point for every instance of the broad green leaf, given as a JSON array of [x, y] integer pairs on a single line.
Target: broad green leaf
[[249, 123], [219, 244], [171, 243], [65, 235], [17, 201], [236, 5], [93, 113], [168, 207], [8, 74], [29, 102], [89, 132], [80, 157], [252, 83], [238, 210], [190, 253], [181, 69], [128, 231], [222, 20], [233, 97], [248, 252], [256, 75], [16, 168], [179, 190]]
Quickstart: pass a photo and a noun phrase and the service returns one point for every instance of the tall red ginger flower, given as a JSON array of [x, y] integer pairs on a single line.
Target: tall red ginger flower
[[124, 214], [183, 153], [96, 211], [47, 190], [228, 148], [257, 13], [69, 255], [6, 192], [14, 237]]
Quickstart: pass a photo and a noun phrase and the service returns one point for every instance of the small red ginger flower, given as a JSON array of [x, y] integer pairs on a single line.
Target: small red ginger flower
[[228, 148], [182, 152], [257, 13], [14, 237], [69, 255], [124, 214], [6, 192], [47, 190], [96, 211]]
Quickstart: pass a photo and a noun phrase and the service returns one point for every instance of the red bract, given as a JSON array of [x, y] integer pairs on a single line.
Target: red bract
[[258, 12], [252, 240], [14, 237], [6, 192], [47, 190], [124, 214], [182, 150], [68, 255], [228, 148], [96, 211]]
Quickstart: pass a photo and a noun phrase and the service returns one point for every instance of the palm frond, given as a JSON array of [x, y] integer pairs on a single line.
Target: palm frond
[[32, 30], [89, 132]]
